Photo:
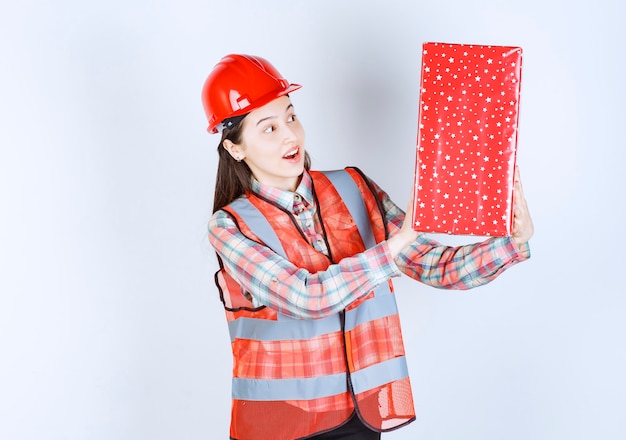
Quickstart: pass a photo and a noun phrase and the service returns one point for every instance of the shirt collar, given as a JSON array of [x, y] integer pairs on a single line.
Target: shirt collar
[[286, 199]]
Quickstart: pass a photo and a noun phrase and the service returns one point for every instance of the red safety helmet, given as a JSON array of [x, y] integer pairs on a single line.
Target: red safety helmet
[[239, 84]]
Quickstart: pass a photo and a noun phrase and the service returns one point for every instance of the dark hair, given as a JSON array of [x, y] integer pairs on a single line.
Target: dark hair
[[234, 178]]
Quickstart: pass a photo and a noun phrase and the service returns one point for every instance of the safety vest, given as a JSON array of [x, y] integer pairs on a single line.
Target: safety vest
[[294, 378]]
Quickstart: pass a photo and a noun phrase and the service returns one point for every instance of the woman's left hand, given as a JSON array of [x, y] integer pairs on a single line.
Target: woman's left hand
[[523, 227], [405, 235]]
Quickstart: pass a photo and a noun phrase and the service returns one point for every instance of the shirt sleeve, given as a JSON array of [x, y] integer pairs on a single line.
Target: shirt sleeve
[[275, 282], [451, 267]]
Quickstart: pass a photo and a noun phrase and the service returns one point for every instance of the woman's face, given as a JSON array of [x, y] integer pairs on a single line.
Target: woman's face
[[272, 144]]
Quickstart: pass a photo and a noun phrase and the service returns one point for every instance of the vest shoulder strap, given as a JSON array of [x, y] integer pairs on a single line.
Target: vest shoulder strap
[[352, 197], [257, 222]]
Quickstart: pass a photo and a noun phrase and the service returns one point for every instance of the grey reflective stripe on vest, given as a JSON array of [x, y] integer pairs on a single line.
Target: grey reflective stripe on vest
[[285, 328], [289, 389], [351, 196], [384, 304], [380, 306], [258, 223], [379, 374], [323, 386]]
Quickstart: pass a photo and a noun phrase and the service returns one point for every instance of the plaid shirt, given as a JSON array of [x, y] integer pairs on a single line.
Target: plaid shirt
[[277, 283]]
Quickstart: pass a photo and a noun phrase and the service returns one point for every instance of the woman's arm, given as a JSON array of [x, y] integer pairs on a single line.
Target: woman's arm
[[277, 283], [458, 267]]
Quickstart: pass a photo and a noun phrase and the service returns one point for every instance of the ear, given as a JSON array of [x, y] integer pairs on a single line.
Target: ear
[[235, 150]]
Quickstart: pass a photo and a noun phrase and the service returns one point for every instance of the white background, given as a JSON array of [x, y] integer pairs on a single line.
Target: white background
[[110, 325]]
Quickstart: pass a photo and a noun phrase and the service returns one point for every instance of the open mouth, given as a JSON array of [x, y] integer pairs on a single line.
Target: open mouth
[[292, 154]]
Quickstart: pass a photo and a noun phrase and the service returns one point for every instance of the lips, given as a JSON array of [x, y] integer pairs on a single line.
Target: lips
[[292, 154]]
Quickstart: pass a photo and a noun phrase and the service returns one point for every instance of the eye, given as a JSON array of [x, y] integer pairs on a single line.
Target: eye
[[269, 129], [291, 118]]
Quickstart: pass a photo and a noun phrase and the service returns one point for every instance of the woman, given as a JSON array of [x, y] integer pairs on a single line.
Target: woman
[[306, 261]]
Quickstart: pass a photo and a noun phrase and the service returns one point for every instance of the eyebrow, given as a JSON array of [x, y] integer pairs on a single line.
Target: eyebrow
[[271, 117]]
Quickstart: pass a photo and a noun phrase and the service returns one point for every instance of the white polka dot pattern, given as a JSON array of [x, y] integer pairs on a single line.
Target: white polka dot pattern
[[467, 138]]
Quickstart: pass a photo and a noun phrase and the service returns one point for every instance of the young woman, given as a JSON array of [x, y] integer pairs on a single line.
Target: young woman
[[306, 262]]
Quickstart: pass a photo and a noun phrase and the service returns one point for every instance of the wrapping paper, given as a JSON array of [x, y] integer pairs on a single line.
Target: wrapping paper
[[467, 139]]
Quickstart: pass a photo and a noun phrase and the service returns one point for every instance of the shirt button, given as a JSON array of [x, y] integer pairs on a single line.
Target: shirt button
[[296, 196]]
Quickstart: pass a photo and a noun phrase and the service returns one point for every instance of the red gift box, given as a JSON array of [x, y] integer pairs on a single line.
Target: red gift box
[[467, 139]]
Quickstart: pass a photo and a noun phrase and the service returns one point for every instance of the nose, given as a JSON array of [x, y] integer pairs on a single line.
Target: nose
[[289, 135]]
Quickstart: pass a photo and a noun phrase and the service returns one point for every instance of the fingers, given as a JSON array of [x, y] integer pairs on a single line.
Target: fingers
[[523, 227], [409, 207], [518, 183], [407, 224]]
